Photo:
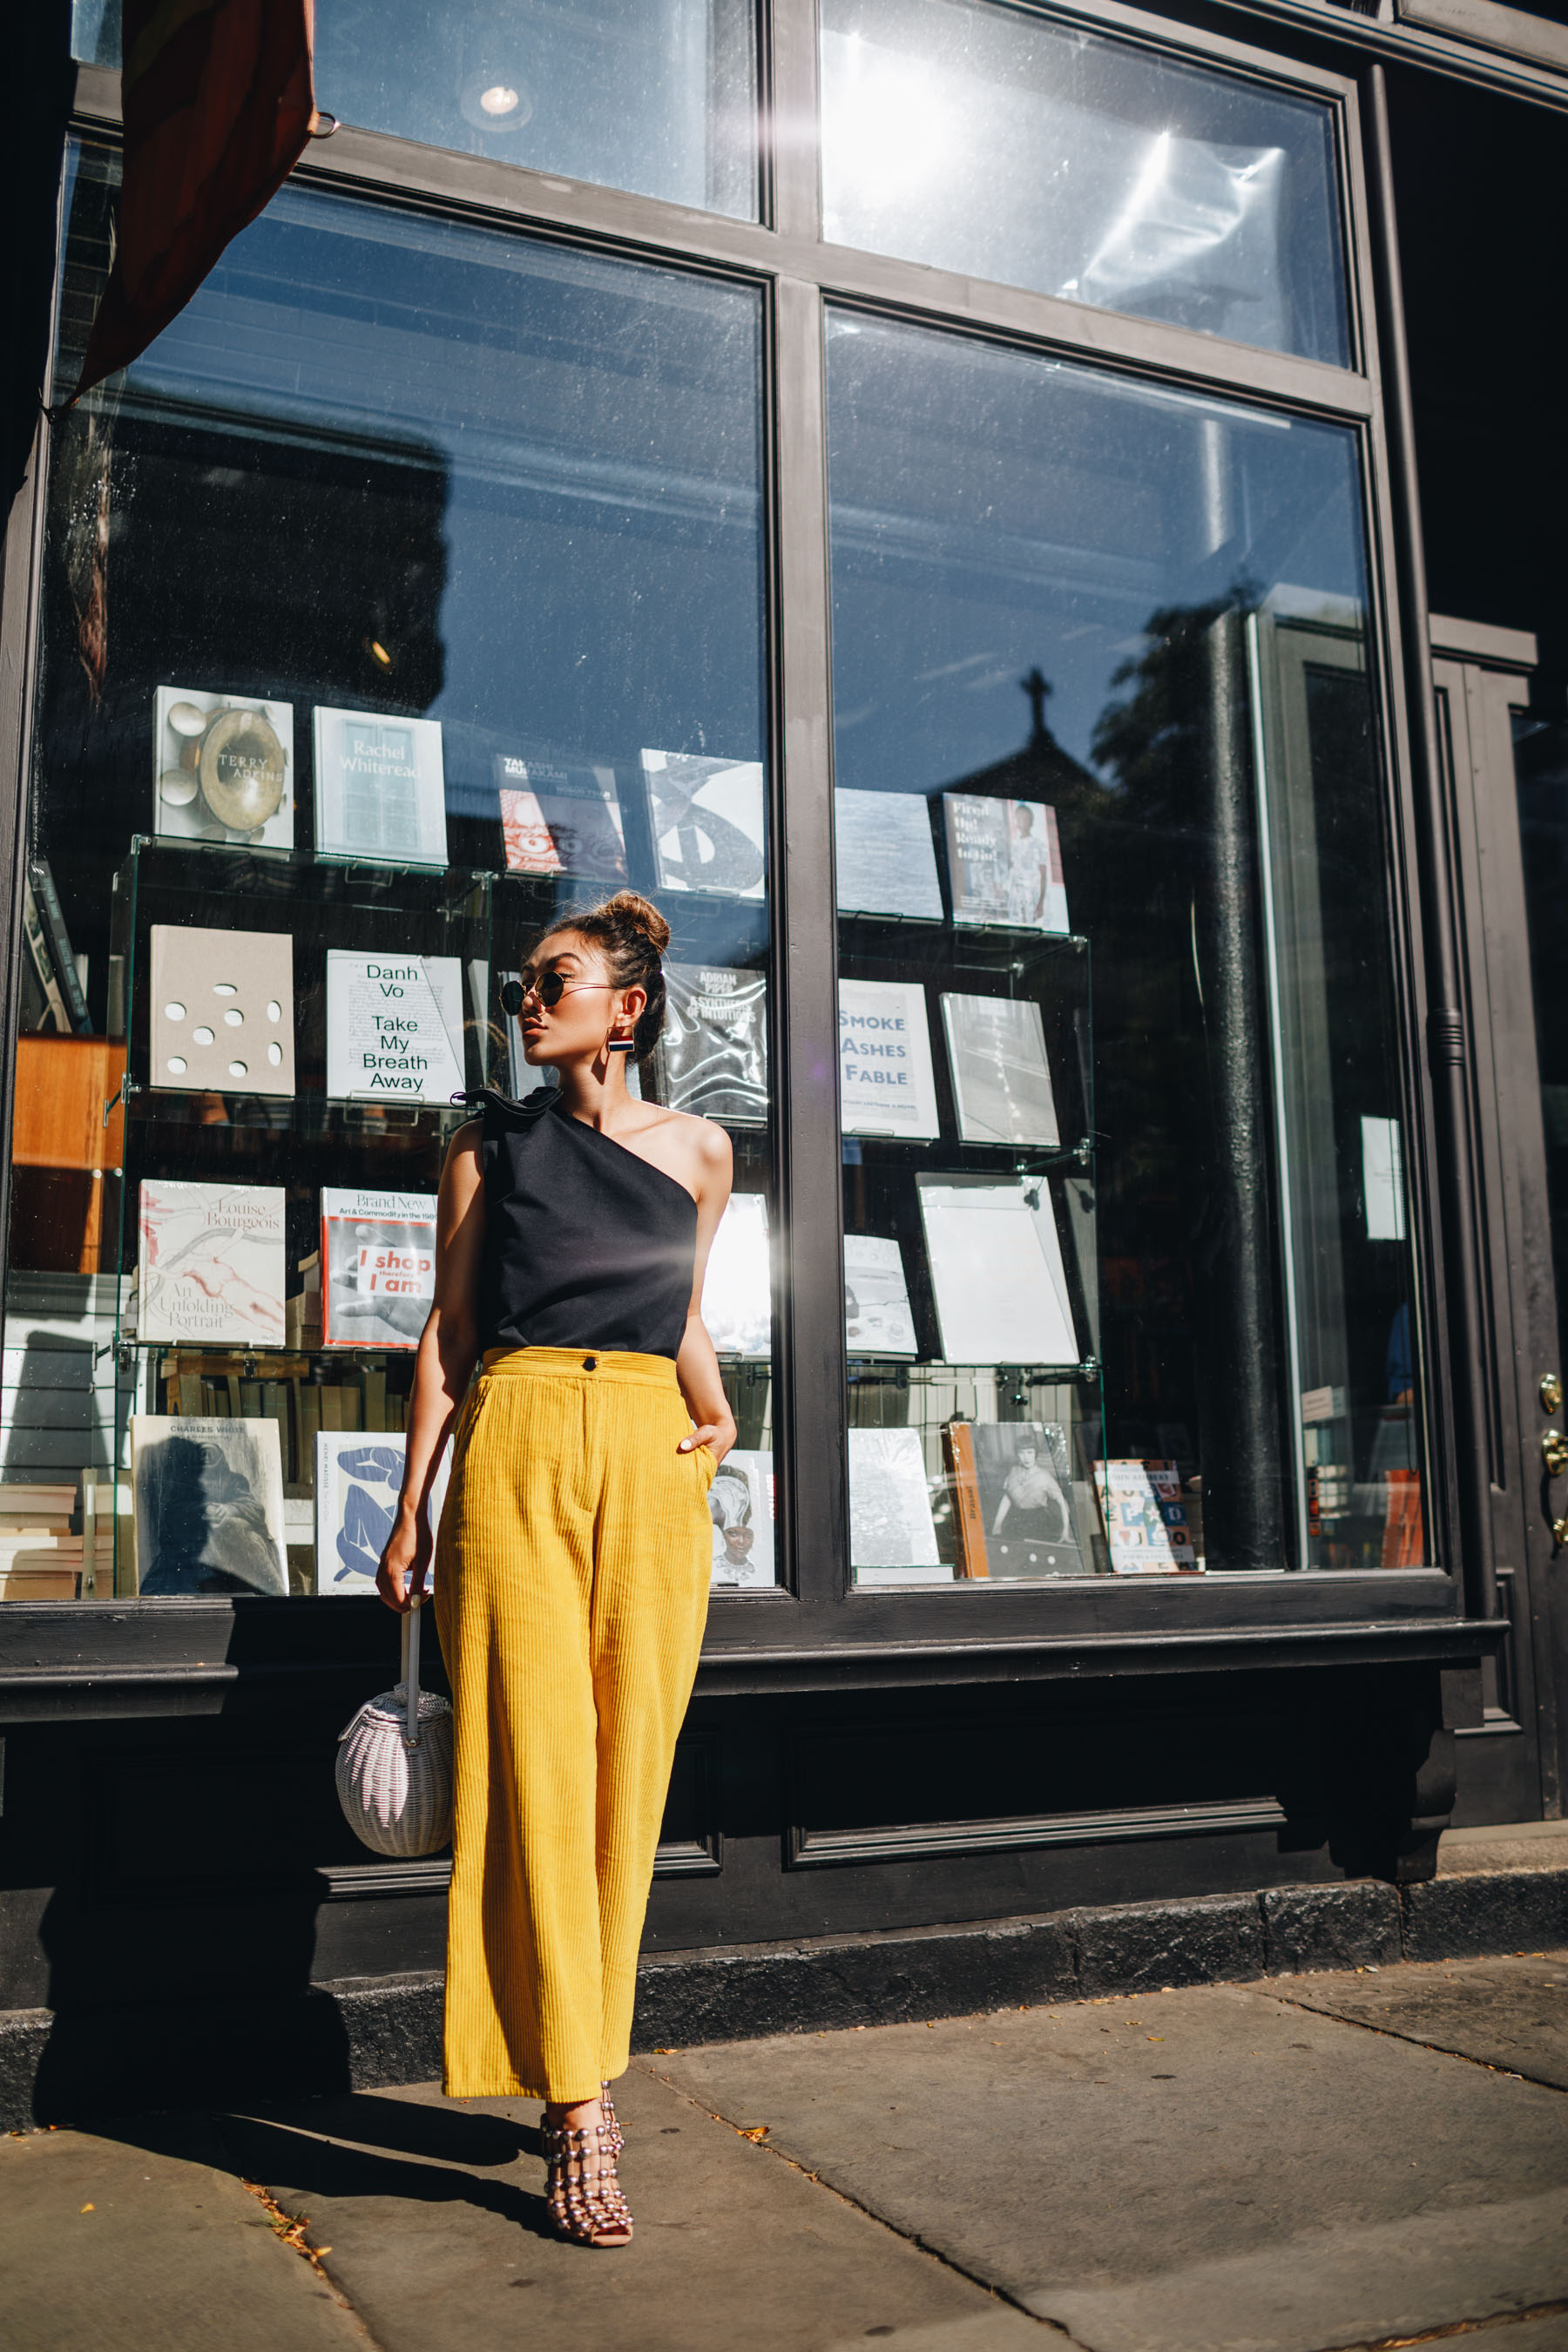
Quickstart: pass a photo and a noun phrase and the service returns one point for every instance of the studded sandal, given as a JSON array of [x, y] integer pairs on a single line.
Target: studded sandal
[[584, 2198], [617, 2138]]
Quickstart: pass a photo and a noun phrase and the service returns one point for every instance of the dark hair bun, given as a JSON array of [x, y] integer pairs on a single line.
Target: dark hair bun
[[631, 910]]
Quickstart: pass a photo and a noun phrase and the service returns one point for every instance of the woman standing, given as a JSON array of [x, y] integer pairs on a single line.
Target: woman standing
[[576, 1545]]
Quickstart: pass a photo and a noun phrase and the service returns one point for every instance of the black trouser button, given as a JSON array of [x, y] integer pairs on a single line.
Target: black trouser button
[[590, 1363]]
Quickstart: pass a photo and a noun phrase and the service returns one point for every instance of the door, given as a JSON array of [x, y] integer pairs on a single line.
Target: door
[[1507, 780]]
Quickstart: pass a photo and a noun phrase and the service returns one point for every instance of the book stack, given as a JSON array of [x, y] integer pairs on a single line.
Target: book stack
[[40, 1556]]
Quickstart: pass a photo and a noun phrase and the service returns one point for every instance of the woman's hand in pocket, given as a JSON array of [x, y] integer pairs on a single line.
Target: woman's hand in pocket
[[718, 1436]]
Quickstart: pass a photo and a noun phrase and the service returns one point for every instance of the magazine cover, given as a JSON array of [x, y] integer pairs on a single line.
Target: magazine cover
[[378, 1250], [740, 1505], [1145, 1518], [712, 1058], [208, 1499], [707, 821], [358, 1480], [223, 767], [560, 820], [877, 1316], [892, 1535], [222, 1012], [394, 1028], [381, 792], [1005, 863], [886, 858], [1001, 1078], [886, 1083], [737, 1288], [1025, 1479], [210, 1264]]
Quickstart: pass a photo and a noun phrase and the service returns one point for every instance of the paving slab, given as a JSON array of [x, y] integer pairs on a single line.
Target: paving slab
[[1208, 2170], [1511, 2014], [140, 2236], [434, 2212]]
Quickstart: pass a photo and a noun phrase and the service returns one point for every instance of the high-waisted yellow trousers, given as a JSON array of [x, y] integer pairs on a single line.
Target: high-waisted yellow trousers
[[570, 1590]]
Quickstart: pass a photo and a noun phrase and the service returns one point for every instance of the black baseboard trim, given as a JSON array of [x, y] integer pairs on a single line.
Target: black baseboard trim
[[369, 2033]]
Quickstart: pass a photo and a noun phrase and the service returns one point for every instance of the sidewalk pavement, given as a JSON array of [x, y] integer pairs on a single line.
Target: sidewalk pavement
[[1310, 2162]]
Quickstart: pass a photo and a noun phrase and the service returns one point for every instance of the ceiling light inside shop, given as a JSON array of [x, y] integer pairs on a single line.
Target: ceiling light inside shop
[[378, 653], [494, 98]]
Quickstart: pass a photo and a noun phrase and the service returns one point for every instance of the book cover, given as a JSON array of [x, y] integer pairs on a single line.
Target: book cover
[[223, 767], [378, 1250], [208, 1504], [886, 1083], [48, 946], [1145, 1518], [878, 1320], [963, 1482], [996, 1271], [222, 1012], [707, 821], [1001, 1078], [1005, 863], [712, 1058], [892, 1535], [558, 820], [886, 858], [210, 1264], [358, 1481], [737, 1287], [1024, 1480], [381, 792], [740, 1505], [394, 1028]]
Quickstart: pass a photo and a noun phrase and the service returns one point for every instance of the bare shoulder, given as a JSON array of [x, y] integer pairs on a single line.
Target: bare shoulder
[[465, 1142], [697, 1148]]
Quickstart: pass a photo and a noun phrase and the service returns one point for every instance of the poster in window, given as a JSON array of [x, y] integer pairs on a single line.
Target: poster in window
[[358, 1481], [706, 817], [878, 1320], [892, 1535], [209, 1498], [223, 768], [886, 859], [222, 1012], [996, 1272], [394, 1028], [380, 787], [378, 1250], [885, 1084], [557, 820], [712, 1058], [1001, 1078], [210, 1263], [1005, 863], [1024, 1481], [740, 1505]]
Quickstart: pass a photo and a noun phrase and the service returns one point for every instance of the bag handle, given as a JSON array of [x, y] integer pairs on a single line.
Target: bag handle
[[410, 1673]]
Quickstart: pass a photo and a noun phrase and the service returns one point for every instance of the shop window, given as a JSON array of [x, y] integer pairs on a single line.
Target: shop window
[[657, 96], [406, 591], [1127, 1261], [988, 139]]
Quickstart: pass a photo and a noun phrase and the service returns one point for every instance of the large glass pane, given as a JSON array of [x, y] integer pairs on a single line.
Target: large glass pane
[[657, 95], [406, 591], [1123, 1172], [988, 139]]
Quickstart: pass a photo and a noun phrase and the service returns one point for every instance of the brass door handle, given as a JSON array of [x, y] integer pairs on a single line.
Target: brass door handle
[[1554, 1452]]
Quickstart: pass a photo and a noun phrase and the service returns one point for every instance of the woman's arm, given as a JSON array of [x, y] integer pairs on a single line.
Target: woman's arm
[[447, 1348], [696, 1365]]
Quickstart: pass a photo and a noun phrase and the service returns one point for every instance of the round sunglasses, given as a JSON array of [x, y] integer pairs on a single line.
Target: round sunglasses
[[550, 988]]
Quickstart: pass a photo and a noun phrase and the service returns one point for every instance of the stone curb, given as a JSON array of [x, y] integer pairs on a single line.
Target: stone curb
[[369, 2032]]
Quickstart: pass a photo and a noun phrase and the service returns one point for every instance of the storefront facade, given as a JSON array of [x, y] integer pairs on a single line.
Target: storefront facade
[[937, 494]]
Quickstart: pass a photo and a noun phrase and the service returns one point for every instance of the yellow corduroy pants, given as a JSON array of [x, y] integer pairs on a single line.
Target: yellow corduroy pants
[[570, 1590]]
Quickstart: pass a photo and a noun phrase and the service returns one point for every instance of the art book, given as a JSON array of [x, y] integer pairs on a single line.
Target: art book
[[358, 1481], [1005, 863], [394, 1028], [210, 1263], [1001, 1080], [378, 1250], [1023, 1479], [223, 767], [381, 792], [222, 1011], [560, 820], [886, 1084], [737, 1289], [1145, 1517], [209, 1504], [886, 858], [877, 1316], [740, 1505], [712, 1058], [996, 1272], [892, 1535], [706, 817]]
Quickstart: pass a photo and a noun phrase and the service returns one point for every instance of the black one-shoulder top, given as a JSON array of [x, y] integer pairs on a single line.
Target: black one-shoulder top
[[585, 1245]]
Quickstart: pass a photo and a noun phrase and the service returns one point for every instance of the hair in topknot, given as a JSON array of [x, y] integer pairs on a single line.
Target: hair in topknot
[[633, 936]]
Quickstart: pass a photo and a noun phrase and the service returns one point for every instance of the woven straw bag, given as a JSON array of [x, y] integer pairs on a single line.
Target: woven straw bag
[[395, 1763]]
